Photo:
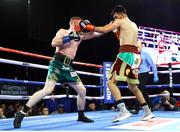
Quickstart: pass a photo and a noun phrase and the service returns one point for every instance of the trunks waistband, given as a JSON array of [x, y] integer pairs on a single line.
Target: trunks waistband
[[129, 48], [63, 59]]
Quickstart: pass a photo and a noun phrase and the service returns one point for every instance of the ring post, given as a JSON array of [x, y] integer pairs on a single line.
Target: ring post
[[170, 78], [102, 88], [108, 98]]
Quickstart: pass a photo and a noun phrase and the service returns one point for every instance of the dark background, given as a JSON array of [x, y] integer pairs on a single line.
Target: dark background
[[30, 25]]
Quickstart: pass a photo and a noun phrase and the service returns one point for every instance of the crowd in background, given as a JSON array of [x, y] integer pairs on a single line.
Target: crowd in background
[[56, 106]]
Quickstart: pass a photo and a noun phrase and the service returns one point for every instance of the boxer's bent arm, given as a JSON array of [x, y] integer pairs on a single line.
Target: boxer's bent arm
[[58, 39]]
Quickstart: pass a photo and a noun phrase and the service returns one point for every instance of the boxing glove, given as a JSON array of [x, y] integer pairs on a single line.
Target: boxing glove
[[86, 26], [74, 35]]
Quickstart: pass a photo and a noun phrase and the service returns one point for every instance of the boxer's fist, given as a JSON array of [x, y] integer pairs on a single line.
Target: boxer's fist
[[74, 35], [86, 26]]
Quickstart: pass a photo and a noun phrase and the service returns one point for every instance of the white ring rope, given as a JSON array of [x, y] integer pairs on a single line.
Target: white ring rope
[[151, 96], [38, 83], [14, 97], [7, 61], [165, 72]]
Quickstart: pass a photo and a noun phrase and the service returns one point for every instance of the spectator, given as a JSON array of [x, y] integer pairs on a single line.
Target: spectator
[[113, 108], [45, 111], [165, 102], [33, 111], [10, 110], [3, 106], [161, 58], [17, 107], [92, 106], [60, 110], [2, 116]]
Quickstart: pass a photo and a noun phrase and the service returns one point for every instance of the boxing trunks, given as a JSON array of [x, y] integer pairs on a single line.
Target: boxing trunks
[[61, 71], [126, 65]]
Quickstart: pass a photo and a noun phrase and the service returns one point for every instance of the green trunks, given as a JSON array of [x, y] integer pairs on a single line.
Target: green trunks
[[61, 71]]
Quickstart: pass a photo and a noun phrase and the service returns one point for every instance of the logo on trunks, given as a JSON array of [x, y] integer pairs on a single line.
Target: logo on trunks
[[127, 71], [53, 77], [56, 71], [136, 61], [73, 74], [135, 72], [65, 68]]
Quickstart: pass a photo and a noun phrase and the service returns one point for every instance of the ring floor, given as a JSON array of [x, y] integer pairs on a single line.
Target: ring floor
[[165, 121]]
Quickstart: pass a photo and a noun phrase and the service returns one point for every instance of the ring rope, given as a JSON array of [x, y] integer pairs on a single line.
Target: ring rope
[[5, 80], [17, 97], [7, 61], [44, 57], [166, 64], [156, 86], [164, 72], [14, 97]]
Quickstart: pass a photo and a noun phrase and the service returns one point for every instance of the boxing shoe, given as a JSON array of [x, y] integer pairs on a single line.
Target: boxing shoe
[[147, 117], [83, 118], [18, 119], [121, 116]]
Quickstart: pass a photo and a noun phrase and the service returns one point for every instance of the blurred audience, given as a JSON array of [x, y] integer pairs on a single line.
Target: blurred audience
[[52, 103], [113, 108], [2, 116], [60, 110], [34, 111], [10, 110]]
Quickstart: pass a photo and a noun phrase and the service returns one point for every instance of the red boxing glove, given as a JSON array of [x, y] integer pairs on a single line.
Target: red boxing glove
[[86, 26]]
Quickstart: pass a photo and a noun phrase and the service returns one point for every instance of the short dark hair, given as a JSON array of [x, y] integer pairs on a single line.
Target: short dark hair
[[119, 9]]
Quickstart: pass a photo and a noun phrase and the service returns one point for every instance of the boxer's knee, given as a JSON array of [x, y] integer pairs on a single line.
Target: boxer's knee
[[82, 92], [48, 90], [111, 82], [132, 87]]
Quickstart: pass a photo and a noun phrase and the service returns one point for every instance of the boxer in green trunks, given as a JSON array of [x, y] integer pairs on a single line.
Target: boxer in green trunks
[[62, 71], [66, 43]]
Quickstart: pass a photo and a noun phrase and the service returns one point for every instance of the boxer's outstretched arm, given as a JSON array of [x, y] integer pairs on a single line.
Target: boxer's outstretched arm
[[91, 35], [107, 28]]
